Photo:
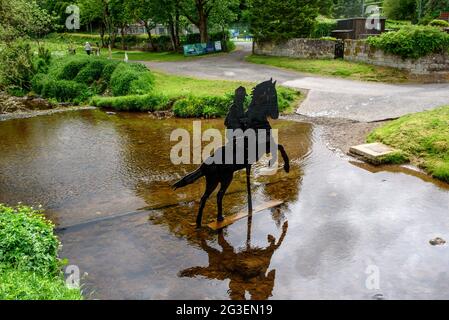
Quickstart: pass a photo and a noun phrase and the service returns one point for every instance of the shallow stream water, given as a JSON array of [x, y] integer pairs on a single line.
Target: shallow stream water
[[346, 229]]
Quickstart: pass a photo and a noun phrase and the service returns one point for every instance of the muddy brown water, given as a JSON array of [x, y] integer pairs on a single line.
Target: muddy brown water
[[346, 230]]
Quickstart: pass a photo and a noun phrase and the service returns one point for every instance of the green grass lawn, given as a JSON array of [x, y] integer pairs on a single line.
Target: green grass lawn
[[213, 97], [59, 46], [422, 137], [153, 56], [331, 67], [172, 85]]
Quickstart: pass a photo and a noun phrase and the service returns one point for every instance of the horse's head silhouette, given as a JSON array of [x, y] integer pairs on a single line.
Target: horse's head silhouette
[[264, 102]]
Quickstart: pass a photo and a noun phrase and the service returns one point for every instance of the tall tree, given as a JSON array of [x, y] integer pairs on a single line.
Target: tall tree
[[199, 11], [282, 20], [145, 11], [348, 8], [400, 9], [433, 8], [120, 11], [20, 18], [171, 17], [91, 11]]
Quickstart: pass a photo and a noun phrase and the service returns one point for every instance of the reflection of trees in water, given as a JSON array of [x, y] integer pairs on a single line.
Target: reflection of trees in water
[[247, 270]]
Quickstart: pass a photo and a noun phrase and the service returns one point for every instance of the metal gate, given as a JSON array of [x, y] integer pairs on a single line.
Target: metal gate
[[339, 49]]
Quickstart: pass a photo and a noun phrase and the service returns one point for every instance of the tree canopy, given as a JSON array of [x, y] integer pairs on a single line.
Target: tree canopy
[[20, 18], [281, 20]]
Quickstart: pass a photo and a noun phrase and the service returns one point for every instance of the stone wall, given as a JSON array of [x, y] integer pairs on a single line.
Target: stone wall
[[434, 65], [298, 48]]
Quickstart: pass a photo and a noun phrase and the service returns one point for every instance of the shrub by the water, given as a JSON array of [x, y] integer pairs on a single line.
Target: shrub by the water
[[27, 240], [131, 79], [90, 72], [65, 91], [70, 69], [24, 285], [17, 66], [145, 102], [412, 41], [208, 107], [186, 106], [75, 79], [29, 263]]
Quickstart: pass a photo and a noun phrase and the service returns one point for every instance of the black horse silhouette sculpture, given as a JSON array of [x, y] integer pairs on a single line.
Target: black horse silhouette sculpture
[[241, 126], [245, 269]]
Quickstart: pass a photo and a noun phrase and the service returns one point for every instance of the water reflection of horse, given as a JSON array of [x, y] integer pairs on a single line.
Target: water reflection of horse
[[246, 269], [264, 104]]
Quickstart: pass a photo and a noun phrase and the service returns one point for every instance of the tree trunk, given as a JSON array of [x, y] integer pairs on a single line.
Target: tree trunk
[[177, 40], [122, 33], [112, 37], [150, 37], [102, 35], [171, 27], [202, 25]]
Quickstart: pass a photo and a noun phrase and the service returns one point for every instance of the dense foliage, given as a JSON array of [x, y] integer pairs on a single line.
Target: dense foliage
[[29, 263], [282, 20], [412, 41], [400, 9], [439, 23], [76, 78], [323, 28], [145, 102], [185, 106]]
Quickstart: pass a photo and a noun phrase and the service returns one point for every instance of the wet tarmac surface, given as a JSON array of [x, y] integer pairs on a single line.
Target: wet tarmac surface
[[344, 228]]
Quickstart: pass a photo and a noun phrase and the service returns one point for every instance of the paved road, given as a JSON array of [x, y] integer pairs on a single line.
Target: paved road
[[328, 97]]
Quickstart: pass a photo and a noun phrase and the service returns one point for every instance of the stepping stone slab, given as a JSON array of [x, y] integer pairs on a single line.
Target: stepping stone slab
[[372, 152]]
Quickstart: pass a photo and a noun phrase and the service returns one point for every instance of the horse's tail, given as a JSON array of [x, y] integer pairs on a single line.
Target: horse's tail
[[189, 179]]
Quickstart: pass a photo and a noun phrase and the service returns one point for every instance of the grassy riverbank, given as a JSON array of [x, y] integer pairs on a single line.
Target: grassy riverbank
[[334, 68], [423, 138], [29, 265], [133, 87], [190, 97]]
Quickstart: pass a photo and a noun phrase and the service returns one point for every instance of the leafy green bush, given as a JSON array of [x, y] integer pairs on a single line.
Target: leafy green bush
[[17, 66], [439, 23], [146, 102], [71, 68], [38, 82], [131, 79], [29, 263], [205, 106], [229, 46], [65, 91], [27, 240], [323, 28], [90, 72], [412, 41], [75, 79], [24, 285], [109, 69], [396, 24]]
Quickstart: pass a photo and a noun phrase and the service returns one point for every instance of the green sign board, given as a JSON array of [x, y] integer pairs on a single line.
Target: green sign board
[[202, 48]]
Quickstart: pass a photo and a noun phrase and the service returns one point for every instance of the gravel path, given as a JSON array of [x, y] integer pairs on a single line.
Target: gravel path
[[327, 97]]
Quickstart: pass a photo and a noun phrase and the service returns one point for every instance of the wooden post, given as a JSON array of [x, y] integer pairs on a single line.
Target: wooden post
[[250, 205]]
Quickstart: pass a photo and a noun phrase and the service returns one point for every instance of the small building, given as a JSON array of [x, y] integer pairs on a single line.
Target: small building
[[358, 28]]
